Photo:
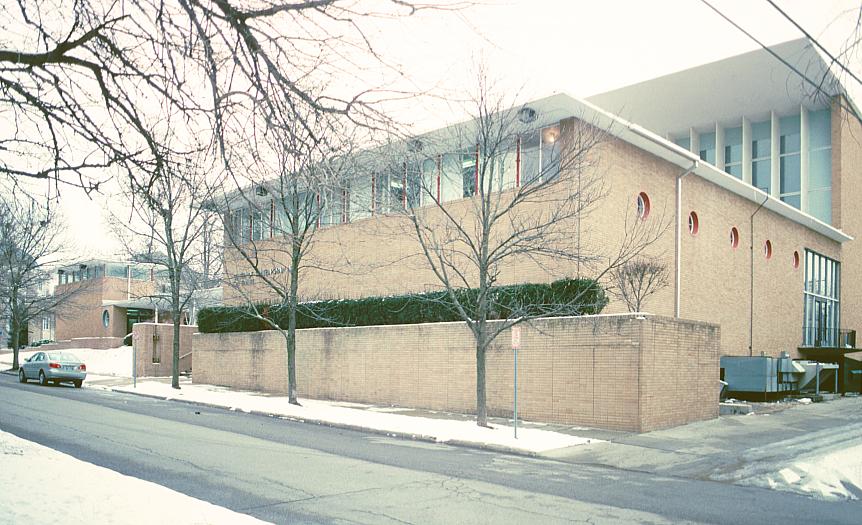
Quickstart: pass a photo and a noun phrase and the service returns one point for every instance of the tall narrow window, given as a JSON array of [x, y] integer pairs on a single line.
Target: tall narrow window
[[550, 153], [789, 164], [820, 165], [822, 301], [428, 193], [733, 152], [451, 181], [707, 147], [761, 155], [415, 183], [468, 173], [530, 147]]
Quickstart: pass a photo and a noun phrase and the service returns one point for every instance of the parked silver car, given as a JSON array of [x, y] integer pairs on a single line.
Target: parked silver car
[[54, 367]]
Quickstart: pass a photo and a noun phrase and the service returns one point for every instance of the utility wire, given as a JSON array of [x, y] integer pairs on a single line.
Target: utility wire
[[816, 43], [815, 85]]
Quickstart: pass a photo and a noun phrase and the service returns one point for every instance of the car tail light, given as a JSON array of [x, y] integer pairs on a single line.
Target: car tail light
[[54, 365], [82, 367]]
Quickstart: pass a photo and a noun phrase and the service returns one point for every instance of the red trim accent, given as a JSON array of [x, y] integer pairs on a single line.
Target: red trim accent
[[518, 163], [344, 201], [439, 169], [404, 187]]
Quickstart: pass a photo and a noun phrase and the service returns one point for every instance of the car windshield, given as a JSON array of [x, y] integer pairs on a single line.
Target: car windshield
[[62, 356]]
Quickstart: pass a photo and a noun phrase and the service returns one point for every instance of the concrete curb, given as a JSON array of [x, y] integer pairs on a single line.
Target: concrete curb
[[345, 426]]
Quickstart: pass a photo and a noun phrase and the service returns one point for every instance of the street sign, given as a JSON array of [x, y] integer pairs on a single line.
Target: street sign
[[516, 344]]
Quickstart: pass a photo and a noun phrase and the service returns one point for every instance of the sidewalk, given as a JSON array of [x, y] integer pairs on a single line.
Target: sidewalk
[[425, 425]]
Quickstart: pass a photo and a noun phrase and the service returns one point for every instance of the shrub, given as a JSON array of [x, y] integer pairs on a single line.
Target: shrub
[[560, 298]]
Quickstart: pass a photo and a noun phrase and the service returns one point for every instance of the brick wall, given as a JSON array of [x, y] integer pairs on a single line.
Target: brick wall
[[608, 371], [153, 345]]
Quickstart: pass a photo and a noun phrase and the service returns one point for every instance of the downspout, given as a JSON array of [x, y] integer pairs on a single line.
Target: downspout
[[751, 283], [678, 240]]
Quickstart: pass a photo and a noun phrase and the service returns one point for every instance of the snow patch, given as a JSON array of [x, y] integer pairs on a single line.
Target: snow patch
[[80, 492], [116, 362], [365, 416]]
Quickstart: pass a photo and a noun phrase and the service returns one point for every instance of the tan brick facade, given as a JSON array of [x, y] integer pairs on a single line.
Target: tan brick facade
[[380, 256], [153, 344], [615, 372], [82, 315]]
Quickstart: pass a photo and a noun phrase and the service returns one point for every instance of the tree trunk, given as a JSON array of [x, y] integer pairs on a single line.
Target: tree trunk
[[481, 406], [15, 340], [291, 330], [176, 317], [175, 364]]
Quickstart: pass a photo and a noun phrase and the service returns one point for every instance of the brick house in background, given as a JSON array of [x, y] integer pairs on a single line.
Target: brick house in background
[[110, 297]]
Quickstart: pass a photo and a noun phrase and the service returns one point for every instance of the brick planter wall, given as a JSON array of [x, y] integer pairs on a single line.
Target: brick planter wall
[[607, 371], [154, 348]]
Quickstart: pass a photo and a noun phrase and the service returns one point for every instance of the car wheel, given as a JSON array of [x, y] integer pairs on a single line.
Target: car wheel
[[42, 379], [78, 383], [22, 377]]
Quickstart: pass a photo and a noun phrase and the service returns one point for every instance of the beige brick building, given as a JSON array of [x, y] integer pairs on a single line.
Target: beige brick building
[[755, 185], [105, 299]]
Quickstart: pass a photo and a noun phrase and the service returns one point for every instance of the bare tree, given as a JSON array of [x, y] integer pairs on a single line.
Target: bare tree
[[30, 245], [272, 223], [169, 219], [78, 79], [527, 185], [638, 279]]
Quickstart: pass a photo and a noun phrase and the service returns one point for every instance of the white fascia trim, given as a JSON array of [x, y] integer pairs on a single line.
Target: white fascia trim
[[667, 150]]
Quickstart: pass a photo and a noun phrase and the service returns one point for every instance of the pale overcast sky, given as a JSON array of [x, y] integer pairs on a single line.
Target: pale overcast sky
[[542, 47]]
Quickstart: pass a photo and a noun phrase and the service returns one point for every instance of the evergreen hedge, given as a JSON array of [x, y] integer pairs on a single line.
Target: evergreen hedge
[[559, 298]]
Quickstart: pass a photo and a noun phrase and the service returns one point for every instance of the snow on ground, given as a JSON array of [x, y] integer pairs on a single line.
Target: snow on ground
[[111, 362], [834, 475], [364, 416], [75, 491]]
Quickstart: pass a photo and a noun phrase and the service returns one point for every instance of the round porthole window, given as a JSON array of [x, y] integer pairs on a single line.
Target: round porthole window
[[106, 318], [693, 223], [767, 249], [795, 259], [734, 238], [643, 205]]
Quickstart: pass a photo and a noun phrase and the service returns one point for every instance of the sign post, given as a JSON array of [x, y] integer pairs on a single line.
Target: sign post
[[516, 344], [134, 362]]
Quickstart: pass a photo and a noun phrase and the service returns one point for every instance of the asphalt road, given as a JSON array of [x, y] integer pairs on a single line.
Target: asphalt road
[[289, 472]]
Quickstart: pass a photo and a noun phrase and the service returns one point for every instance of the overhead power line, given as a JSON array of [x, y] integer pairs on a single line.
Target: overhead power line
[[793, 68], [816, 43]]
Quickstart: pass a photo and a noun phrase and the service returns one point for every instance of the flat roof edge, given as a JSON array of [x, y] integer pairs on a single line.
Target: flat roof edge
[[667, 150]]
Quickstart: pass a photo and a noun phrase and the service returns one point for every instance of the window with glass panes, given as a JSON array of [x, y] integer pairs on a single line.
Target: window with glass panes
[[788, 161], [820, 164], [761, 155], [822, 301], [707, 147], [733, 151]]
